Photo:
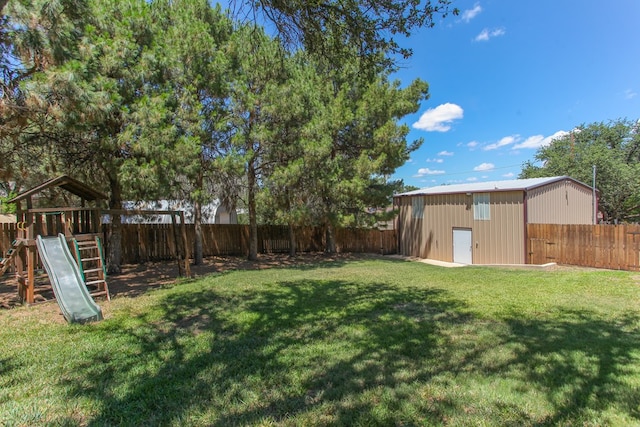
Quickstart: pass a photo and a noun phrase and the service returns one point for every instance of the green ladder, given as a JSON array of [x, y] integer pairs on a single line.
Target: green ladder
[[90, 259]]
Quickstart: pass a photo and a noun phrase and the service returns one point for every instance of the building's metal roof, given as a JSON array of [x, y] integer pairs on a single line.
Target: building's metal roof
[[490, 186]]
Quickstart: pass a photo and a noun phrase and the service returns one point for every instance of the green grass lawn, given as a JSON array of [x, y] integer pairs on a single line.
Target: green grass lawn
[[363, 342]]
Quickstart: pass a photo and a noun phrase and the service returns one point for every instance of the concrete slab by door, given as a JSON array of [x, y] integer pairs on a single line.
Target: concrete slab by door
[[462, 246]]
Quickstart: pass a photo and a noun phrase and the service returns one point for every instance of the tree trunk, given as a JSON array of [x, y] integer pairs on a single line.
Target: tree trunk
[[253, 224], [198, 257], [292, 240], [114, 256], [330, 239]]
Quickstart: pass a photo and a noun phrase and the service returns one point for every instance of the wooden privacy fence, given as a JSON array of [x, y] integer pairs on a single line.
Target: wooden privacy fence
[[153, 242], [603, 246], [8, 232], [147, 242]]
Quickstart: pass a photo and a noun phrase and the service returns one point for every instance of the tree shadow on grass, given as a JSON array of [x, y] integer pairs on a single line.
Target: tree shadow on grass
[[343, 353], [9, 370], [215, 358], [5, 366], [361, 338], [584, 364]]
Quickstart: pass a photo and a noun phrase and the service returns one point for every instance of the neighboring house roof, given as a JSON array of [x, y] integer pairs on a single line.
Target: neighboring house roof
[[490, 186]]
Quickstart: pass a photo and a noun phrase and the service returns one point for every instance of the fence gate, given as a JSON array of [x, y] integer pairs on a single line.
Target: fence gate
[[537, 251]]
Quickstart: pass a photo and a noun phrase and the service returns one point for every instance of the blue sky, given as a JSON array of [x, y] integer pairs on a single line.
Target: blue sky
[[507, 76]]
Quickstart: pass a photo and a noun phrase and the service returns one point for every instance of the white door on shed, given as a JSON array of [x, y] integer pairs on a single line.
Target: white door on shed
[[462, 246]]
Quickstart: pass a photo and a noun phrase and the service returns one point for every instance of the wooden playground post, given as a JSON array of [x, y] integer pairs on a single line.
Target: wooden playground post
[[19, 270], [31, 277]]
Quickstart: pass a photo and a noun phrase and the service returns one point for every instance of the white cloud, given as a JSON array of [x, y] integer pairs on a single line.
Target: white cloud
[[484, 167], [427, 171], [473, 178], [469, 14], [445, 153], [487, 34], [439, 119], [538, 141], [507, 140], [435, 160], [472, 144], [509, 175], [630, 94], [534, 141]]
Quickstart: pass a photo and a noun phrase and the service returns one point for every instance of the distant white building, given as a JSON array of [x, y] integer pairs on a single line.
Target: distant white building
[[212, 213], [7, 218]]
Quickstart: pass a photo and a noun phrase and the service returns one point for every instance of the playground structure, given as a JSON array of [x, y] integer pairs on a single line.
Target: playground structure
[[80, 228]]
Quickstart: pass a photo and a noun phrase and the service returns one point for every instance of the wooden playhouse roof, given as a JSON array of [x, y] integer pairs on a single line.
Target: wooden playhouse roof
[[67, 183]]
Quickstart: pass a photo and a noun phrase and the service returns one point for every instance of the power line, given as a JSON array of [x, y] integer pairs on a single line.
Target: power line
[[475, 171]]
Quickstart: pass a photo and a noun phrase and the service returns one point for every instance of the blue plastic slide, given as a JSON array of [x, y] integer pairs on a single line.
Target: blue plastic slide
[[69, 288]]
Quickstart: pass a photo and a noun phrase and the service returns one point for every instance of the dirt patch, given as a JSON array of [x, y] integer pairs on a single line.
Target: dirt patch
[[566, 267], [136, 279]]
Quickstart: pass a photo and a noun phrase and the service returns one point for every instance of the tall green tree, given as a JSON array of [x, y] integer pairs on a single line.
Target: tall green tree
[[121, 118], [34, 36], [336, 29], [339, 138], [260, 71], [613, 148], [197, 36], [361, 142], [287, 187]]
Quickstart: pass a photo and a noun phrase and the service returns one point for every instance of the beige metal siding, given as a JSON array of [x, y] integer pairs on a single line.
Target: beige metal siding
[[501, 240], [563, 202], [409, 228], [497, 241]]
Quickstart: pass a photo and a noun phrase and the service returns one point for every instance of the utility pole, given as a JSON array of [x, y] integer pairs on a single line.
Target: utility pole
[[593, 196]]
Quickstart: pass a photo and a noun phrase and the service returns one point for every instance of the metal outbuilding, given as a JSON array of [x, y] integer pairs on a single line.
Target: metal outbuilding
[[486, 223]]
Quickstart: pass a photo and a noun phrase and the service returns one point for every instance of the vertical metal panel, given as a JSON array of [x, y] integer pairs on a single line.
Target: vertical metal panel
[[401, 225], [501, 240], [563, 202], [409, 228]]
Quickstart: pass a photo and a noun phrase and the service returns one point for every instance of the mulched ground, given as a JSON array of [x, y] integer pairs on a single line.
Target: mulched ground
[[137, 279]]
